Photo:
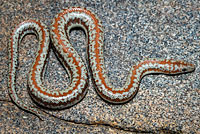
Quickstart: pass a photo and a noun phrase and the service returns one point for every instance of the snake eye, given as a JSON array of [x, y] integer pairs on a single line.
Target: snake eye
[[184, 69]]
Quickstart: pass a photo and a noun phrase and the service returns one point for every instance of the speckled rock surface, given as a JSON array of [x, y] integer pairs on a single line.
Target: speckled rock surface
[[133, 31]]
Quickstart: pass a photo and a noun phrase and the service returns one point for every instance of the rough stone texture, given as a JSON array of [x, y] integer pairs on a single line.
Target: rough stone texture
[[133, 31]]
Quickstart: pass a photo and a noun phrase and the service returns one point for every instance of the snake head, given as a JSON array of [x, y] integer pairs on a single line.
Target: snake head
[[180, 66], [188, 68]]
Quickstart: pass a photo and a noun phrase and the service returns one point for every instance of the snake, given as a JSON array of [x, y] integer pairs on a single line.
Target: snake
[[63, 23]]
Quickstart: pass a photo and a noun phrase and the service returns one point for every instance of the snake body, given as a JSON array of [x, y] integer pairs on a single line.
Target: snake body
[[60, 29]]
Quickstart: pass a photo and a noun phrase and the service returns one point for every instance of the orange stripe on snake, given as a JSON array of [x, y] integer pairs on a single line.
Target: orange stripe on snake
[[89, 22]]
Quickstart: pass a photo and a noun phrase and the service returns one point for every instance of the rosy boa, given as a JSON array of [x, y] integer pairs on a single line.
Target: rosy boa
[[62, 24]]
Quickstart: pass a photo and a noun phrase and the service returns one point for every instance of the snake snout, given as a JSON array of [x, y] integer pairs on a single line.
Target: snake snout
[[188, 67]]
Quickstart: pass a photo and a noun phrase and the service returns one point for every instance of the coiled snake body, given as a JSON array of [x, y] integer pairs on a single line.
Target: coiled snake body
[[62, 24]]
